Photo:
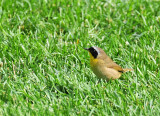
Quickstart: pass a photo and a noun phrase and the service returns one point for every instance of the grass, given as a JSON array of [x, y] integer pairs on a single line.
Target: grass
[[45, 71]]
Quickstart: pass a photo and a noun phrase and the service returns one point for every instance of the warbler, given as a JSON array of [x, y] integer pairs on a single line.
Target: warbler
[[103, 66]]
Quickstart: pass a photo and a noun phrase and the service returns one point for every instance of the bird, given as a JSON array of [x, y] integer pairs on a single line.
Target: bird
[[103, 66]]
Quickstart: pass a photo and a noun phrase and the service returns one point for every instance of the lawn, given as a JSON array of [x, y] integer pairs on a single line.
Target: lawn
[[44, 69]]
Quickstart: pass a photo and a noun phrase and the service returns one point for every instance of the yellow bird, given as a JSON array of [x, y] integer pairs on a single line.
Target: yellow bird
[[103, 66]]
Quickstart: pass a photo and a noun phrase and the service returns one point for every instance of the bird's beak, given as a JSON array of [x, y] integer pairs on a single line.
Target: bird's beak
[[86, 49]]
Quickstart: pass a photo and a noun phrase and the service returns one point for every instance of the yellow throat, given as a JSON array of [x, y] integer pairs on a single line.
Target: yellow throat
[[93, 61]]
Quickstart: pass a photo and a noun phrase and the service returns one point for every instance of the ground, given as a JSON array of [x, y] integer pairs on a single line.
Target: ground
[[45, 71]]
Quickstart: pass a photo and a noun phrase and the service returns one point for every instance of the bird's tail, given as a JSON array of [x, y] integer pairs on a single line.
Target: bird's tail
[[127, 69]]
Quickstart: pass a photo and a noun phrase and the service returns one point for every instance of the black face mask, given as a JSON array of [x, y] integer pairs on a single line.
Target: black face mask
[[93, 52]]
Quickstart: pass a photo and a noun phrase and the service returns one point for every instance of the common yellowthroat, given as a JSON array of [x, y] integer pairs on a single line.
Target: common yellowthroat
[[103, 66]]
